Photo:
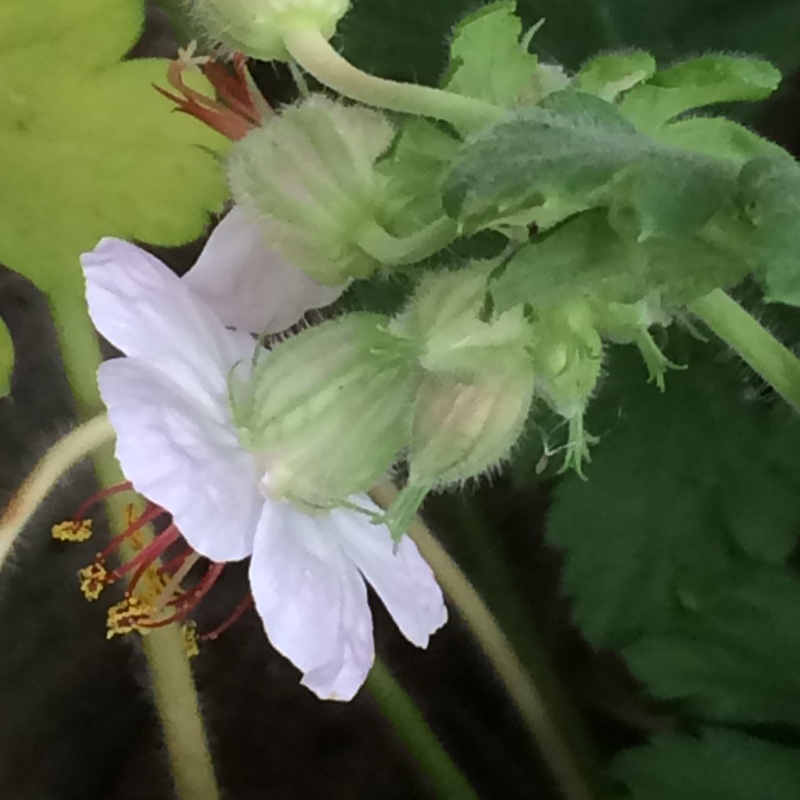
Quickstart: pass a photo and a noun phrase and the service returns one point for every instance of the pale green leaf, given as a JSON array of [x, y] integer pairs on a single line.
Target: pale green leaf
[[87, 147], [487, 59], [697, 83], [610, 74]]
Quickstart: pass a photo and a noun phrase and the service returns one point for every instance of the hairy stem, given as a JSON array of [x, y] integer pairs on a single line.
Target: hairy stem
[[567, 767], [316, 55], [170, 673], [411, 727], [753, 342], [395, 251]]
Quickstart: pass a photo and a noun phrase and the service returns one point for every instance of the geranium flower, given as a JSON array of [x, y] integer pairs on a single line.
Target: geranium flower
[[167, 399]]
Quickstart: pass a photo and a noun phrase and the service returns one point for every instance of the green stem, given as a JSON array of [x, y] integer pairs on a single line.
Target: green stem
[[568, 768], [170, 673], [754, 343], [411, 727], [316, 55], [395, 251]]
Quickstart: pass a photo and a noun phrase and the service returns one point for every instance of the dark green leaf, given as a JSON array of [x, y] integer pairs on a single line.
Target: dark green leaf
[[664, 491], [732, 656], [721, 765]]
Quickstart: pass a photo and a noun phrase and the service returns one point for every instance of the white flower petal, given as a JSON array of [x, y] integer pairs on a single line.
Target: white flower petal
[[399, 574], [183, 459], [250, 286], [145, 311], [312, 600]]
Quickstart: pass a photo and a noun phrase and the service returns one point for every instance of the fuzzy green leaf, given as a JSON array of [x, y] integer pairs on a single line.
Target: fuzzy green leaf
[[586, 256], [696, 83], [87, 147], [732, 655], [487, 59], [771, 198], [610, 74], [665, 490], [575, 151], [721, 765], [719, 138]]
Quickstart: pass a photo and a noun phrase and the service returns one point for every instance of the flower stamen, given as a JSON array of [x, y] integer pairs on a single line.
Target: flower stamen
[[236, 107]]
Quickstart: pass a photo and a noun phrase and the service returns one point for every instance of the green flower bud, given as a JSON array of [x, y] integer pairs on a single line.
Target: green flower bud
[[309, 175], [445, 320], [463, 428], [256, 27], [328, 410]]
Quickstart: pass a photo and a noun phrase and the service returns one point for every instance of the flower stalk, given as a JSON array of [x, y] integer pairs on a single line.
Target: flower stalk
[[567, 767], [753, 342], [316, 55], [58, 460]]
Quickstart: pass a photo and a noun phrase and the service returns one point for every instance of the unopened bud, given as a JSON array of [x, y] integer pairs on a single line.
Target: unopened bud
[[256, 27], [463, 428], [329, 410], [446, 320], [309, 176]]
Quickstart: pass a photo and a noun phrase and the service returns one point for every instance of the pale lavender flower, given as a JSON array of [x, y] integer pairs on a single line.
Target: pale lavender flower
[[167, 399]]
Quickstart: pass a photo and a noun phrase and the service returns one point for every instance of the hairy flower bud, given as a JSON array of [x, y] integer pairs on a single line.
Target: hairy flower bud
[[308, 175], [463, 428], [255, 27], [329, 409], [445, 320]]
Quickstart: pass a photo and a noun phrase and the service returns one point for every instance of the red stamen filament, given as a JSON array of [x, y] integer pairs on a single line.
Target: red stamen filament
[[233, 617], [150, 513], [149, 552], [99, 497]]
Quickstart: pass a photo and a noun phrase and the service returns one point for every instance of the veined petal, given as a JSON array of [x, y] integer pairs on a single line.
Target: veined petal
[[185, 460], [398, 573], [312, 600], [250, 286], [145, 311]]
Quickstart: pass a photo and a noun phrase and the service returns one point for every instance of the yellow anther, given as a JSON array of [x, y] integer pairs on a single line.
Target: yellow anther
[[93, 579], [127, 616], [191, 642], [72, 530]]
